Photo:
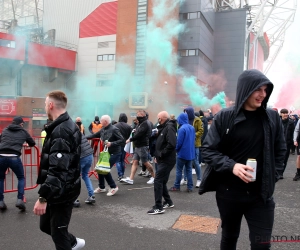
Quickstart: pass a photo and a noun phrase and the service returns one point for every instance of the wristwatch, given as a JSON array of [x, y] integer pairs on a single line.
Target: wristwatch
[[42, 200]]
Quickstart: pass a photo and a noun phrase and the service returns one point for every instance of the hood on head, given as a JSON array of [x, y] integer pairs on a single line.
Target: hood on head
[[248, 82], [190, 111], [182, 119], [123, 118]]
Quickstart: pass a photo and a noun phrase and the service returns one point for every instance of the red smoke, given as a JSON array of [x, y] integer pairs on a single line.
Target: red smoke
[[289, 95]]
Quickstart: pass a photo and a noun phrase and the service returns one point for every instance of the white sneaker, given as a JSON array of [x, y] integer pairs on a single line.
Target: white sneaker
[[183, 182], [151, 181], [198, 183], [99, 190], [193, 171], [112, 191], [127, 180], [80, 244]]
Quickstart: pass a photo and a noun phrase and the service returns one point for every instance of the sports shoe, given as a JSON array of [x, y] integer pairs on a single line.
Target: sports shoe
[[146, 174], [127, 180], [90, 200], [174, 189], [193, 171], [76, 203], [2, 206], [167, 205], [120, 177], [151, 181], [21, 205], [156, 211], [99, 190], [183, 182], [80, 243], [112, 191], [198, 183], [141, 173], [297, 177]]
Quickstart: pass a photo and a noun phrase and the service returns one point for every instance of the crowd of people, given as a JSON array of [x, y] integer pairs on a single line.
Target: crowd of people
[[223, 143]]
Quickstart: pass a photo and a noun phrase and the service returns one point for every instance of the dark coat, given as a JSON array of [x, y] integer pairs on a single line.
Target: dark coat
[[59, 173], [165, 147], [288, 128], [112, 134], [13, 138], [124, 128], [142, 134], [216, 141]]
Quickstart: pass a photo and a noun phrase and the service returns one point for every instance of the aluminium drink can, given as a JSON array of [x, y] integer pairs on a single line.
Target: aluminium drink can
[[252, 163]]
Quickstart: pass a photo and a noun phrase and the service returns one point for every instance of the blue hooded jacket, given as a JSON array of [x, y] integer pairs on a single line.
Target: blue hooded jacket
[[185, 145], [191, 114]]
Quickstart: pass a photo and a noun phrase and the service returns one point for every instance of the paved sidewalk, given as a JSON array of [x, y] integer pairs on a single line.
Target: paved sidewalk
[[122, 222]]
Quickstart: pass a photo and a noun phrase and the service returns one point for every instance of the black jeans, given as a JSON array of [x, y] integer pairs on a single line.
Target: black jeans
[[160, 184], [286, 157], [233, 205], [55, 222]]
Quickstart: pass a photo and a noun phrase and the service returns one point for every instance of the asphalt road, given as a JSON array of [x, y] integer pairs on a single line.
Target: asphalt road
[[122, 222]]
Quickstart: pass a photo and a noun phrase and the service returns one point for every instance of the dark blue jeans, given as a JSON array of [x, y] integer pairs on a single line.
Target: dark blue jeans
[[233, 205], [15, 164], [160, 184], [121, 165], [114, 158]]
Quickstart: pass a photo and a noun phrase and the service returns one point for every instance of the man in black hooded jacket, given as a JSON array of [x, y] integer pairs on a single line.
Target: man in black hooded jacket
[[125, 131], [11, 143], [248, 130]]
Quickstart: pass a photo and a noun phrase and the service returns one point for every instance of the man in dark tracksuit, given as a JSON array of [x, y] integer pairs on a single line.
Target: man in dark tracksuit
[[11, 142], [165, 154], [125, 131], [59, 174], [288, 130], [248, 130]]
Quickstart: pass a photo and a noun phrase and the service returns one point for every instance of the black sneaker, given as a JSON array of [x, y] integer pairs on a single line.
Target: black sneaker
[[76, 203], [167, 205], [21, 205], [156, 211], [2, 206], [297, 177], [90, 200]]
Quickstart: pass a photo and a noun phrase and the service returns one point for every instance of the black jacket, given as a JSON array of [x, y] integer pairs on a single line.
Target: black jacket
[[142, 134], [12, 139], [86, 148], [165, 148], [113, 135], [216, 141], [124, 128], [288, 128], [59, 173]]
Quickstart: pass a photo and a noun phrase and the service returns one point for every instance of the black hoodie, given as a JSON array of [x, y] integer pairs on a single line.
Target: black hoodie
[[124, 128], [12, 139], [215, 147]]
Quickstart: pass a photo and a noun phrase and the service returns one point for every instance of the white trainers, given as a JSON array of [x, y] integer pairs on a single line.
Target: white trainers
[[80, 244], [99, 190], [112, 191], [183, 182], [127, 180], [151, 181], [198, 183], [193, 171]]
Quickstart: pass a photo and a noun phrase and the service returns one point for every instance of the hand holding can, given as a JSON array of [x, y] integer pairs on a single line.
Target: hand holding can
[[253, 164]]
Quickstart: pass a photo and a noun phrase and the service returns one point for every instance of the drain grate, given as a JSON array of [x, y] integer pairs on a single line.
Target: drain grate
[[197, 224]]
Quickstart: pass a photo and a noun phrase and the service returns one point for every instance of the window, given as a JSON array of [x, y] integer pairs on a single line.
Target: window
[[7, 43], [109, 57], [192, 15]]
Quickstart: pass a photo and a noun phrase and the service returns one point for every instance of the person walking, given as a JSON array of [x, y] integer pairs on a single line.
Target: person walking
[[59, 174], [165, 156], [248, 130]]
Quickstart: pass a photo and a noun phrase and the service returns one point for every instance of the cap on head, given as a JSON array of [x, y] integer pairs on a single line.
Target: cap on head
[[96, 118], [18, 120]]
